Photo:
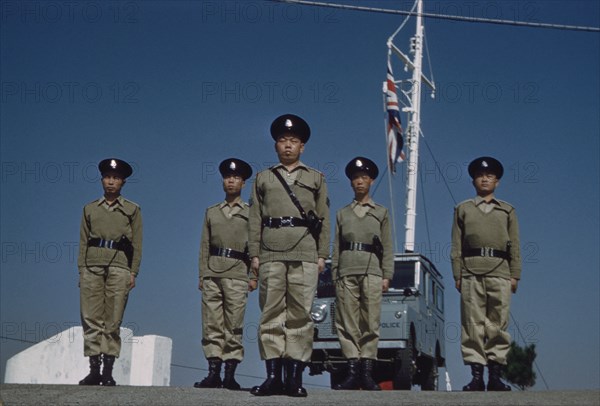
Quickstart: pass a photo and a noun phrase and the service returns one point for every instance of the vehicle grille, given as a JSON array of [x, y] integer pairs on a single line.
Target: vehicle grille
[[326, 329], [332, 328]]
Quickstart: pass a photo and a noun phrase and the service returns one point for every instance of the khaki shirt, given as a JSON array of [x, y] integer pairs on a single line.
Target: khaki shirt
[[270, 199], [360, 223], [477, 225], [110, 222], [225, 226]]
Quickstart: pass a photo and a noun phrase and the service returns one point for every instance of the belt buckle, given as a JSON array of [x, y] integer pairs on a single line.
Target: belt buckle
[[286, 222], [490, 252], [226, 252]]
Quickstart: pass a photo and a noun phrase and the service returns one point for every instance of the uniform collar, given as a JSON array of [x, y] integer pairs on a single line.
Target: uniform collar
[[369, 203], [479, 200], [238, 202], [118, 201], [299, 166]]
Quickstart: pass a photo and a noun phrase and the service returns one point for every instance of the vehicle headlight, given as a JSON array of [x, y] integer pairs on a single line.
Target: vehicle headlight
[[318, 312]]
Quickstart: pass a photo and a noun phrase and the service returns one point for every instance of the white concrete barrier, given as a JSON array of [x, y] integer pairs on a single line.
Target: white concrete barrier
[[151, 361], [60, 360]]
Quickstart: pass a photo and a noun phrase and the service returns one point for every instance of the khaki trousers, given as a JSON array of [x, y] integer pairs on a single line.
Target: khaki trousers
[[103, 293], [358, 315], [287, 290], [485, 304], [223, 307]]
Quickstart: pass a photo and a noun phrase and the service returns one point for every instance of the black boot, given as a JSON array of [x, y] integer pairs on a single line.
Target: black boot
[[476, 384], [352, 381], [94, 377], [367, 382], [494, 382], [107, 378], [229, 381], [273, 384], [213, 380], [294, 379]]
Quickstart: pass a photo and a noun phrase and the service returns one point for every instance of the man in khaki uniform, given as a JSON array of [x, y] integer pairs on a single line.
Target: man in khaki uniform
[[110, 251], [287, 252], [486, 263], [362, 266], [224, 277]]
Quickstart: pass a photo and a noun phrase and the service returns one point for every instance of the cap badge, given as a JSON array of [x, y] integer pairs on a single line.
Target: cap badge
[[288, 123], [359, 163], [113, 164], [232, 166], [484, 164]]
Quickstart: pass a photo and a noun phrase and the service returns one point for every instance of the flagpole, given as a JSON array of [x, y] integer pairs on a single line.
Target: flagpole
[[413, 135], [394, 130]]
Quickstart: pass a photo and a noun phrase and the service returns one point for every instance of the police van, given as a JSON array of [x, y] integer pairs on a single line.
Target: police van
[[411, 343]]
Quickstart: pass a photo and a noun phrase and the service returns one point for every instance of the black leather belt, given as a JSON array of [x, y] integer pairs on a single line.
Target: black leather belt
[[102, 243], [358, 246], [276, 222], [485, 252], [228, 253]]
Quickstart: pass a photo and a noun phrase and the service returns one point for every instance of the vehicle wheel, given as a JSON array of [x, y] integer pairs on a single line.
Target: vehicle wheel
[[404, 366], [428, 372]]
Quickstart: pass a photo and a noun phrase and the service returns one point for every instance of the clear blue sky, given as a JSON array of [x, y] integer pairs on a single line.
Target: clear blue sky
[[176, 86]]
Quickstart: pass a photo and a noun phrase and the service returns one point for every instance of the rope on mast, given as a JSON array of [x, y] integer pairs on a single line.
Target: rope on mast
[[428, 60], [391, 38], [437, 165], [425, 211]]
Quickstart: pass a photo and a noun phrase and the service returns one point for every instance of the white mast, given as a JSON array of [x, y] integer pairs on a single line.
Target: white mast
[[414, 126], [413, 135]]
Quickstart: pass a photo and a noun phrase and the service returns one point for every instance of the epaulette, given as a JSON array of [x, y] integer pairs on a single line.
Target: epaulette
[[131, 203], [96, 201], [315, 170], [506, 206], [464, 201], [213, 206], [130, 208]]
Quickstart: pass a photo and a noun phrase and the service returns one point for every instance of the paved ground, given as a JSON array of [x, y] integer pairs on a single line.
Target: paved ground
[[13, 394]]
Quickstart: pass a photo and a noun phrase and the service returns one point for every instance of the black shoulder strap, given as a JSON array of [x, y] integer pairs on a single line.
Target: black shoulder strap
[[290, 192]]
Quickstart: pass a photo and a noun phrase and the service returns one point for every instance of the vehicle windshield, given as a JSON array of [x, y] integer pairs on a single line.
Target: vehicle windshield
[[404, 275], [326, 287]]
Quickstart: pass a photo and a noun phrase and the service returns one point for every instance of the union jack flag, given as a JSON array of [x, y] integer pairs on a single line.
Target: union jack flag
[[395, 140]]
